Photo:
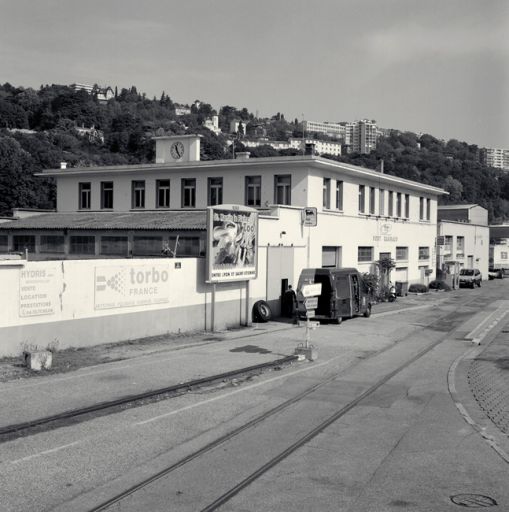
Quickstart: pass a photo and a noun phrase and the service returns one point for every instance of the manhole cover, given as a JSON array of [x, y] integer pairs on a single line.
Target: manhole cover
[[473, 500]]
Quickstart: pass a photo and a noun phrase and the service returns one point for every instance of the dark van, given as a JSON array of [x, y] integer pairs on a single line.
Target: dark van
[[344, 293]]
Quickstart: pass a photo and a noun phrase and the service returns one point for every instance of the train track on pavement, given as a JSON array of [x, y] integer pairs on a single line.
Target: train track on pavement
[[245, 482]]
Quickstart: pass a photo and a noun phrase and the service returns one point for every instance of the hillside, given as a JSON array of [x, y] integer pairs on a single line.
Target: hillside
[[39, 129]]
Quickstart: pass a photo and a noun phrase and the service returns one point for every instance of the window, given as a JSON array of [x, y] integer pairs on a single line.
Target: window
[[365, 254], [407, 206], [215, 191], [114, 245], [185, 246], [80, 244], [107, 195], [163, 193], [503, 255], [447, 244], [85, 191], [381, 202], [330, 256], [424, 253], [460, 244], [421, 208], [402, 253], [253, 190], [52, 243], [362, 198], [391, 204], [188, 193], [138, 194], [147, 245], [326, 193], [4, 243], [428, 209], [22, 242], [372, 200], [282, 189], [398, 204], [339, 195]]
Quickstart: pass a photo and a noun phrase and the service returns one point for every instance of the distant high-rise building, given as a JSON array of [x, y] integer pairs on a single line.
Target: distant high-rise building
[[357, 137], [495, 157]]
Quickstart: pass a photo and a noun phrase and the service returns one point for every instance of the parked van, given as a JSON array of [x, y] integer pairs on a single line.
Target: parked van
[[344, 293]]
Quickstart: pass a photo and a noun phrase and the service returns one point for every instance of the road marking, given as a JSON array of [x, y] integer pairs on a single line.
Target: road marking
[[240, 390], [45, 452], [387, 313]]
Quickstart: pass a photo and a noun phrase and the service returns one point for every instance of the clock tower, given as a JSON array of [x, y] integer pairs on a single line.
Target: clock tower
[[177, 149]]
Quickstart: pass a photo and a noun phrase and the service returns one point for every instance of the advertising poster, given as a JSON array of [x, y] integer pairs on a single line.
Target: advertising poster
[[39, 290], [232, 243], [128, 286]]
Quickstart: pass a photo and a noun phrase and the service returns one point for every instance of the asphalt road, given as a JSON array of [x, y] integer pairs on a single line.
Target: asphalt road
[[404, 446]]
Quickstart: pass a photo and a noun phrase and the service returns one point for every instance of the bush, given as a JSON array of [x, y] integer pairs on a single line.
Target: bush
[[439, 285], [417, 288]]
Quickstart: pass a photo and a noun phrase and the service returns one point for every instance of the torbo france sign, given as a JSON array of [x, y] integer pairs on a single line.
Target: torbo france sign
[[123, 286], [232, 237]]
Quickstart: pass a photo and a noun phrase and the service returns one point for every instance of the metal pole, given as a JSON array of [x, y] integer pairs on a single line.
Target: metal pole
[[309, 247], [247, 303], [213, 308]]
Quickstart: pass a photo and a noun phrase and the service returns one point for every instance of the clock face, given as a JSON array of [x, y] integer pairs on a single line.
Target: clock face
[[177, 150]]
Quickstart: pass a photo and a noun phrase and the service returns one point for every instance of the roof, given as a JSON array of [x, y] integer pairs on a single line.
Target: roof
[[252, 164], [164, 220], [456, 206]]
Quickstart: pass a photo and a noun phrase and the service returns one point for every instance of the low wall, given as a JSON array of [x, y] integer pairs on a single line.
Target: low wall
[[78, 303]]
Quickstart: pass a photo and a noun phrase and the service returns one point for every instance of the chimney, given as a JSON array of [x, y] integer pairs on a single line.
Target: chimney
[[63, 165], [242, 155]]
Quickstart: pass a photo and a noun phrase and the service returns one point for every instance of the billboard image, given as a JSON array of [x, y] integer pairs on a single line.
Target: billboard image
[[232, 243]]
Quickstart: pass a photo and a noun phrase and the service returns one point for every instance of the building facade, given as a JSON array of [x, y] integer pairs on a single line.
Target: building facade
[[495, 157], [463, 238]]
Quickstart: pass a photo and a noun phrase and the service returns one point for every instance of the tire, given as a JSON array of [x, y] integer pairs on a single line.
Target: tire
[[367, 313], [261, 312], [479, 284], [338, 320]]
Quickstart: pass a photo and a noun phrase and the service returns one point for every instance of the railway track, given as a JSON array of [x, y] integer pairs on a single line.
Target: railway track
[[443, 320]]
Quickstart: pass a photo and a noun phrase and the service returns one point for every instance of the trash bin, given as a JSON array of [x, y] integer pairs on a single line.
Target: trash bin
[[401, 288]]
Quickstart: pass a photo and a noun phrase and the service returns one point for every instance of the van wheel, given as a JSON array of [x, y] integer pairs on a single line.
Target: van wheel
[[367, 313], [338, 320], [261, 311]]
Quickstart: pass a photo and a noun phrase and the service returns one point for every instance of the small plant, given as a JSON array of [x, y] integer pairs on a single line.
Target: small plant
[[53, 346], [29, 347], [439, 285]]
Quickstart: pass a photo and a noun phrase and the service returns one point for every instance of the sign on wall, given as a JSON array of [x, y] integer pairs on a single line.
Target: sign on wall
[[232, 238], [39, 290], [309, 216], [127, 286]]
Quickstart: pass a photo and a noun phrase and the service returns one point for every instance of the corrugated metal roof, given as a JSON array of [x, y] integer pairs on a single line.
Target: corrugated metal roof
[[456, 206], [165, 220]]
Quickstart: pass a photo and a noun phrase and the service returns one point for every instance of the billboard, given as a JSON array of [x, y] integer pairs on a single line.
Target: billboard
[[232, 238]]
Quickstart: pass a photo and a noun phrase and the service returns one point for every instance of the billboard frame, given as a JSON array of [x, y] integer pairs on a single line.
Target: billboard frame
[[230, 210]]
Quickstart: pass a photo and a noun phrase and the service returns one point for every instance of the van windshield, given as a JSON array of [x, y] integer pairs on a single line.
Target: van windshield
[[466, 272]]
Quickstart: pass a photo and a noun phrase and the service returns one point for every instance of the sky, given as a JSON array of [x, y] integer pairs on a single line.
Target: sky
[[432, 66]]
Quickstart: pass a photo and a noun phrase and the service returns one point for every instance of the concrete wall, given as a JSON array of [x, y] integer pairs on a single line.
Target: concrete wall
[[80, 303]]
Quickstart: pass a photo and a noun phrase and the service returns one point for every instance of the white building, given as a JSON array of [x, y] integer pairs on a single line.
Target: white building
[[463, 238], [499, 246], [495, 157], [213, 124]]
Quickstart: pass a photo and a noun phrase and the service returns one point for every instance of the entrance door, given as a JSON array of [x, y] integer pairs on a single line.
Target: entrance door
[[279, 267]]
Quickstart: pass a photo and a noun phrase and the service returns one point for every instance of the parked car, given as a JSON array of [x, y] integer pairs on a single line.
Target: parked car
[[344, 293], [495, 273], [470, 277]]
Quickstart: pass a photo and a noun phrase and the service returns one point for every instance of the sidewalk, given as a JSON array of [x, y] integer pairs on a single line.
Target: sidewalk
[[144, 365]]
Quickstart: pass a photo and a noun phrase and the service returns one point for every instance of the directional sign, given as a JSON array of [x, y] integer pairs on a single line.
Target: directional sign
[[314, 325], [311, 290], [311, 303]]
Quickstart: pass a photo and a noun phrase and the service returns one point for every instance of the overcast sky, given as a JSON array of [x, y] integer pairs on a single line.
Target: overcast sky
[[435, 66]]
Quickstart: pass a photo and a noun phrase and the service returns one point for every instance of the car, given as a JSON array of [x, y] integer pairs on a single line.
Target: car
[[470, 277], [495, 273]]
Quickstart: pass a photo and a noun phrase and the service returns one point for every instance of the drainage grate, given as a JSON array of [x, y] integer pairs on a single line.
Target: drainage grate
[[473, 501]]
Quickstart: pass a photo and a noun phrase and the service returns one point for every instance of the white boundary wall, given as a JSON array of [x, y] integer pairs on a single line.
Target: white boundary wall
[[86, 302]]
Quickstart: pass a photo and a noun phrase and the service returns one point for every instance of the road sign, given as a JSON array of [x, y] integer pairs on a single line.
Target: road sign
[[309, 216], [313, 325], [311, 290], [311, 303]]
